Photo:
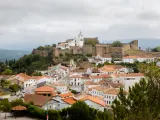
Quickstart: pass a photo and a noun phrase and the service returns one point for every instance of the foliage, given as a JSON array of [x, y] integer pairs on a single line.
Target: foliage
[[17, 102], [156, 49], [142, 102], [5, 105], [91, 42], [116, 44], [99, 65], [14, 88], [74, 91], [7, 72], [80, 111], [27, 64], [37, 73], [89, 55], [46, 47], [4, 83], [133, 66]]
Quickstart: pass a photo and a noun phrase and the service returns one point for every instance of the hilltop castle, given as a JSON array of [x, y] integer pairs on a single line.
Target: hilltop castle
[[92, 46]]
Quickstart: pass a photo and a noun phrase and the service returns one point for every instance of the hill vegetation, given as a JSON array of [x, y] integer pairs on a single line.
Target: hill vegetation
[[27, 64]]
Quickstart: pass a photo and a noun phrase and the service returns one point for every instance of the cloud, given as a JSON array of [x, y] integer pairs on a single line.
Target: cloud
[[25, 24]]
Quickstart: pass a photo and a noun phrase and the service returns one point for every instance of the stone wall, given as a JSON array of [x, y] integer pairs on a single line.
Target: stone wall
[[87, 49], [126, 47], [76, 50]]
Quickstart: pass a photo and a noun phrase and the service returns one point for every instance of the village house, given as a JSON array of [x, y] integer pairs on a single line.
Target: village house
[[44, 102], [60, 87], [98, 78], [113, 69], [64, 100], [110, 95], [127, 80], [45, 90], [58, 71], [104, 58], [24, 80], [132, 59], [93, 102]]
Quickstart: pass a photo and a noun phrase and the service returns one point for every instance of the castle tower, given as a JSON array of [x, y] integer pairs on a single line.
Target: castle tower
[[134, 45]]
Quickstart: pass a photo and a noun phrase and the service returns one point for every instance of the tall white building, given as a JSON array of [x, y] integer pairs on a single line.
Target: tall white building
[[78, 41]]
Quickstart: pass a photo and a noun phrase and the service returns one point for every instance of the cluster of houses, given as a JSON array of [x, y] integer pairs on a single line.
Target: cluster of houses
[[97, 87], [126, 59]]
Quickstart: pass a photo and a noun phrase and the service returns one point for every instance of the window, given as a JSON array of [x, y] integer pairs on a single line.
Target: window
[[112, 97]]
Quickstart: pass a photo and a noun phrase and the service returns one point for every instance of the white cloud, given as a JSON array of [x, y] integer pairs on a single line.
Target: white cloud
[[29, 23]]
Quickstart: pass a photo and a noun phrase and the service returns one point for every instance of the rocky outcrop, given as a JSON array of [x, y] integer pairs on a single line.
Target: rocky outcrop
[[43, 53]]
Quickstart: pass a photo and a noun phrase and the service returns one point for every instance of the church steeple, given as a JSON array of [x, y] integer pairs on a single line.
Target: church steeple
[[80, 34]]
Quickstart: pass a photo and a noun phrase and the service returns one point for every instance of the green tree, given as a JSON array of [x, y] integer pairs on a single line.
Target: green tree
[[14, 88], [156, 49], [37, 74], [5, 106], [142, 101], [80, 111], [7, 72], [17, 102], [116, 44], [4, 83]]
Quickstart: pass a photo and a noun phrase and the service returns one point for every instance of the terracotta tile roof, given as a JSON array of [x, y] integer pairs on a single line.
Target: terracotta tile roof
[[23, 77], [105, 76], [129, 75], [64, 68], [93, 99], [18, 108], [91, 83], [100, 88], [93, 77], [44, 89], [109, 68], [100, 76], [130, 57], [70, 100], [135, 57], [95, 70], [110, 84], [112, 91], [75, 76], [64, 95], [38, 100]]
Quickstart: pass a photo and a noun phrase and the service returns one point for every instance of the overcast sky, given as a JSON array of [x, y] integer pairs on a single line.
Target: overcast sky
[[25, 24]]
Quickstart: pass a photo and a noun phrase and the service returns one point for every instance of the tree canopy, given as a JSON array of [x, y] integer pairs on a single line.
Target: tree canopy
[[143, 99], [116, 44], [156, 49]]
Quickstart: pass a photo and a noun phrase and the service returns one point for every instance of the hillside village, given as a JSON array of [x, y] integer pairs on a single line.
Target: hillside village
[[96, 81]]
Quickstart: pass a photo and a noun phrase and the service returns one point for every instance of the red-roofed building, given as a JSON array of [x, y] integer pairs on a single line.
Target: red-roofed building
[[143, 58], [113, 69], [94, 102], [45, 90], [66, 95]]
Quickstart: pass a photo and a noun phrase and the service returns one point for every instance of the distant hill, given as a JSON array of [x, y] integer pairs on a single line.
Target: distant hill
[[12, 54]]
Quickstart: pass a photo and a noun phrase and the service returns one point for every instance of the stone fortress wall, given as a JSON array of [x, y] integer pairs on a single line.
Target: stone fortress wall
[[102, 49]]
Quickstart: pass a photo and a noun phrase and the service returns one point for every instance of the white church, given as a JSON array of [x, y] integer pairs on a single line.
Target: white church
[[78, 41]]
